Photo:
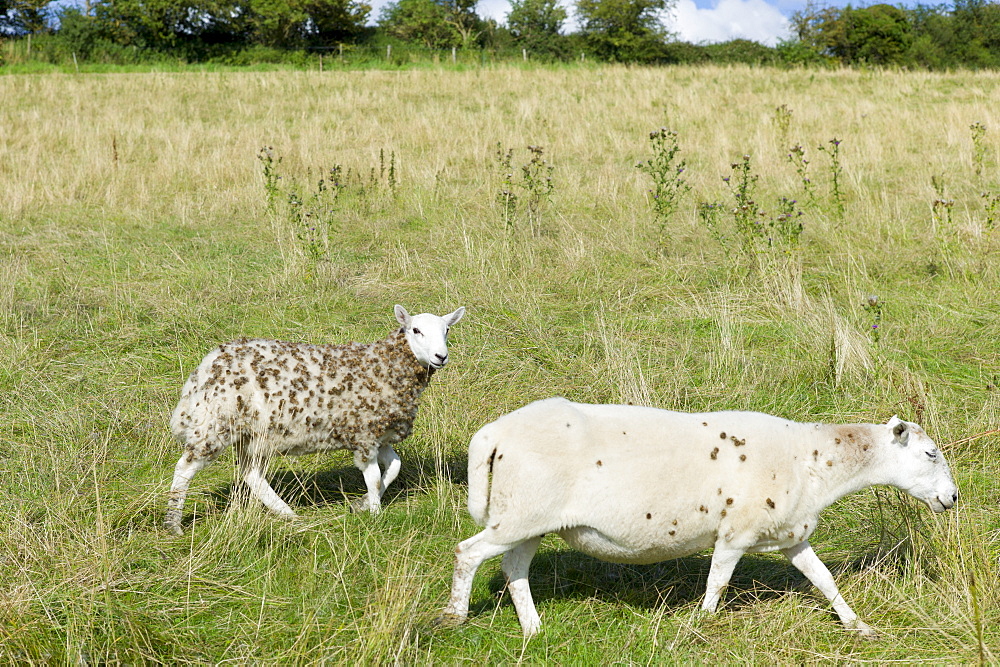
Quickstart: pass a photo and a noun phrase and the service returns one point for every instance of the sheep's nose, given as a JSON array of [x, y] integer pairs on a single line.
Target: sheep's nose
[[954, 497], [442, 359]]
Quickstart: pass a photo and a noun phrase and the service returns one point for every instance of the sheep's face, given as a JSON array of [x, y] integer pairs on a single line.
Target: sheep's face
[[427, 335], [919, 467]]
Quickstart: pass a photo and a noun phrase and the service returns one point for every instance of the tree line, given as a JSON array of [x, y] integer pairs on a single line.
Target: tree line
[[963, 34]]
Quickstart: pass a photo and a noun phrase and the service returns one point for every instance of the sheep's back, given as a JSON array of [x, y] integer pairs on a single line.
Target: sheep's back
[[298, 397], [633, 472]]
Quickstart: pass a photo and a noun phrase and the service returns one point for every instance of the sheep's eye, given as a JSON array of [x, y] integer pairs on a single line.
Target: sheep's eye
[[416, 331], [932, 455]]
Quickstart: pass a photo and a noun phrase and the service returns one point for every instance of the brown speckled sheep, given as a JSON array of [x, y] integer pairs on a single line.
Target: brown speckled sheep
[[266, 397]]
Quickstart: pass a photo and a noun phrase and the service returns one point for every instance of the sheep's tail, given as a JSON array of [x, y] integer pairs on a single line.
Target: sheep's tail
[[482, 449]]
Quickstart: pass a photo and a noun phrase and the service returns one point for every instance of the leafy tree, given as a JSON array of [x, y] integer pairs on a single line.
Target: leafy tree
[[624, 30], [977, 32], [337, 21], [796, 52], [293, 24], [79, 33], [933, 36], [495, 36], [20, 17], [811, 23], [437, 24], [274, 23], [424, 21], [171, 24], [462, 17], [879, 35], [536, 24], [155, 24], [741, 51]]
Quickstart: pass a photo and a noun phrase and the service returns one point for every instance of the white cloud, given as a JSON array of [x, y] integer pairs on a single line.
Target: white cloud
[[729, 19], [493, 9]]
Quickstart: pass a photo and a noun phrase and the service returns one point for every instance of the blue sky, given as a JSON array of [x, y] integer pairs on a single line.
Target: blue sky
[[765, 21]]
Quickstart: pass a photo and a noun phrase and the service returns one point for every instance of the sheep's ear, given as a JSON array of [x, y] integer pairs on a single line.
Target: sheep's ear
[[402, 316], [900, 430], [452, 318]]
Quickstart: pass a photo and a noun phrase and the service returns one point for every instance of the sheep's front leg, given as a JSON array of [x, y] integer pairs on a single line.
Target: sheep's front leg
[[367, 463], [186, 468], [389, 460], [808, 563], [724, 559], [469, 555]]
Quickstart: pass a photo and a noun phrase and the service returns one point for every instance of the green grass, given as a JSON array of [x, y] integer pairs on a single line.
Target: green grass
[[135, 235]]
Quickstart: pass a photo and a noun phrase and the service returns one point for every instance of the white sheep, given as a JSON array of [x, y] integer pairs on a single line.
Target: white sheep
[[631, 484], [266, 397]]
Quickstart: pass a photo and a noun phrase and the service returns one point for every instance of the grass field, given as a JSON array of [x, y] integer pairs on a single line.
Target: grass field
[[141, 225]]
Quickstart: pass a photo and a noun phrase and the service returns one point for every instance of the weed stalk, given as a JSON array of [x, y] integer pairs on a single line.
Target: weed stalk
[[666, 170], [836, 172]]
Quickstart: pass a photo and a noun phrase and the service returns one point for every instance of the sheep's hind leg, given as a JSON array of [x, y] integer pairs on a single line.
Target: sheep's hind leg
[[515, 567], [808, 563], [186, 468], [469, 555], [253, 475]]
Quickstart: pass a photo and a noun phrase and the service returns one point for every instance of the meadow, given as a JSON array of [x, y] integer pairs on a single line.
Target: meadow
[[147, 217]]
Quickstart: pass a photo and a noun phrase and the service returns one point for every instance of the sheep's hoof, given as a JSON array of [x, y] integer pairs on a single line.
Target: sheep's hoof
[[174, 528], [863, 630], [447, 620], [531, 630], [359, 505]]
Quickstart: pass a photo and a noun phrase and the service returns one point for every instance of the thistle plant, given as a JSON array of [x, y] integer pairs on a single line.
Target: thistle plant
[[784, 228], [873, 306], [797, 158], [535, 184], [757, 231], [746, 213], [306, 230], [666, 171], [506, 199], [709, 213], [978, 146], [313, 216], [991, 202], [536, 178], [386, 174], [941, 207], [944, 231], [271, 177], [836, 171], [308, 212], [311, 211], [782, 121]]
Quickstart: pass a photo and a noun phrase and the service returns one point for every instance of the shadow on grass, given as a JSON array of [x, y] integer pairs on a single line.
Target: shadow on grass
[[566, 574], [674, 583], [343, 484]]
